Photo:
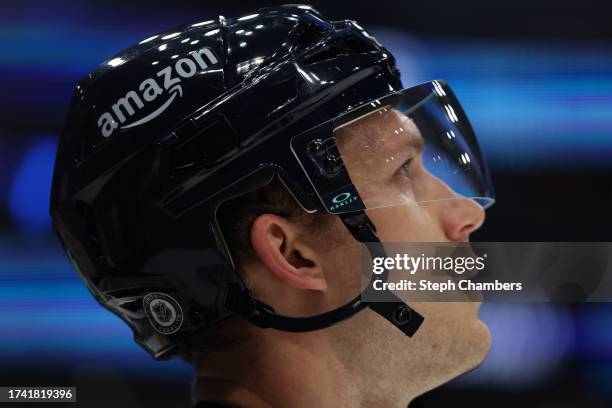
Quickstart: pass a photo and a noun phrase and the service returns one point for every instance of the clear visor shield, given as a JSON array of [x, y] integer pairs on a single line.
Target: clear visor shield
[[413, 146]]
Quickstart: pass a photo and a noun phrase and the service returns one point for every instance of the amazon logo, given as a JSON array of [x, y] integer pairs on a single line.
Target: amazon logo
[[132, 109]]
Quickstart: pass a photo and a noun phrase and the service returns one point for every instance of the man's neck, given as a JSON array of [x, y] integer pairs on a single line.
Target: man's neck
[[277, 369], [282, 369]]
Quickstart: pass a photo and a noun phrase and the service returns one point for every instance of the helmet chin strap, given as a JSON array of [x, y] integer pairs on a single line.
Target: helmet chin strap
[[393, 309]]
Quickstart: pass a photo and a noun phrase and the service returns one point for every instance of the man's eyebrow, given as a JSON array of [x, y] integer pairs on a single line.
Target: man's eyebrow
[[416, 142]]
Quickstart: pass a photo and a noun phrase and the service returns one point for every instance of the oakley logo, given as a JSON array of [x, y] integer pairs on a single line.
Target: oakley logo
[[169, 79], [341, 200], [341, 197]]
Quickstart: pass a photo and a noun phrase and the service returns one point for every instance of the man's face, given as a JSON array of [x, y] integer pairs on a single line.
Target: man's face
[[383, 154]]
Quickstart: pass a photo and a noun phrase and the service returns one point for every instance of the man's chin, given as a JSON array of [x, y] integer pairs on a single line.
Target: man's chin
[[484, 342], [476, 347]]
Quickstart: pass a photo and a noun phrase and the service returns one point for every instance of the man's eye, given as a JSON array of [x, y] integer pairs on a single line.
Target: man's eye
[[405, 168]]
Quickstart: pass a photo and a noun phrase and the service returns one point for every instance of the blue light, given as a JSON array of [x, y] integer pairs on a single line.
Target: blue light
[[4, 174], [595, 325], [31, 186], [532, 105], [530, 341], [49, 316]]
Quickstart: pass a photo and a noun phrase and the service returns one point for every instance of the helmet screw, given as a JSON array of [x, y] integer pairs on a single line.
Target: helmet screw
[[402, 315], [316, 147], [333, 164]]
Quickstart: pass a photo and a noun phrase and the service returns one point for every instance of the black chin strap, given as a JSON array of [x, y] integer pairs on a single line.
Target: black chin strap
[[394, 310]]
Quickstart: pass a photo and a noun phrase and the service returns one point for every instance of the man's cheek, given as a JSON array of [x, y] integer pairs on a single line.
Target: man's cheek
[[396, 224]]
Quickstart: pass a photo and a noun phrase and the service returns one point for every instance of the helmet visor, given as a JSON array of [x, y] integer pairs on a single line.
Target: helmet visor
[[412, 146]]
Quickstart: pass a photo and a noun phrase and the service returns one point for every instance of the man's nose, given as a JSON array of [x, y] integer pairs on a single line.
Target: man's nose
[[460, 217]]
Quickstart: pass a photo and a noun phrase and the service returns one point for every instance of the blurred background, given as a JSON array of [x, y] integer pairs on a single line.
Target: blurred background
[[535, 77]]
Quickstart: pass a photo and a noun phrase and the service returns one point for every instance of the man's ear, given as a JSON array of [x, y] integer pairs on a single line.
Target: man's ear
[[279, 247]]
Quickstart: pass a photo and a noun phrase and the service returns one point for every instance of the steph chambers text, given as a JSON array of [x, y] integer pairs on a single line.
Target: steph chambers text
[[426, 285]]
